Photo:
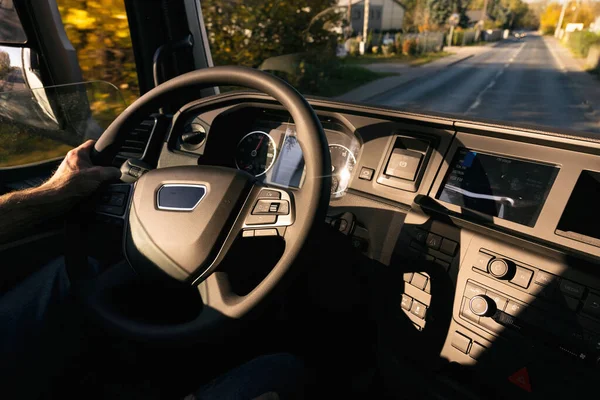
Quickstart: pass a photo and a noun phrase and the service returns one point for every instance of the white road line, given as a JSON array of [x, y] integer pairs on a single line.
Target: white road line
[[490, 85], [556, 58]]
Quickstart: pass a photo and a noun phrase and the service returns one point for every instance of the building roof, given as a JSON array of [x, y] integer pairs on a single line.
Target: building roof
[[344, 3], [476, 15]]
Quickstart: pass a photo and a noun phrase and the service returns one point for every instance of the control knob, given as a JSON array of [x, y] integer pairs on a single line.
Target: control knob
[[501, 269], [482, 306]]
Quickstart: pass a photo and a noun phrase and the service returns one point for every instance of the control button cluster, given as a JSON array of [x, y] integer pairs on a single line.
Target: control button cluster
[[413, 306], [273, 207], [575, 331], [432, 247], [112, 200], [568, 295], [504, 269]]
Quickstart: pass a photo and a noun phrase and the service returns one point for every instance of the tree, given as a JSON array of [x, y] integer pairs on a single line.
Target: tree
[[576, 12], [99, 31], [4, 64], [246, 32]]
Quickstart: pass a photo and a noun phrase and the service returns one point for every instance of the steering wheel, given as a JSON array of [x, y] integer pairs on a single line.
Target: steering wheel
[[180, 222]]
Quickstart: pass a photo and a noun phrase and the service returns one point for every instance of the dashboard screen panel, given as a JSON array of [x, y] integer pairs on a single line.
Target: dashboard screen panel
[[289, 167], [507, 188]]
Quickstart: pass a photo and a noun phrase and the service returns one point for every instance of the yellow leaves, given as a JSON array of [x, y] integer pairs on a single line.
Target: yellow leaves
[[99, 31], [80, 19]]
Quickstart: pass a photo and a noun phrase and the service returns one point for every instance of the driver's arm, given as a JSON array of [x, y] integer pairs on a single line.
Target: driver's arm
[[75, 178]]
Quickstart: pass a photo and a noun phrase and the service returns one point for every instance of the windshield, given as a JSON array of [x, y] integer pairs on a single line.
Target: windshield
[[511, 61]]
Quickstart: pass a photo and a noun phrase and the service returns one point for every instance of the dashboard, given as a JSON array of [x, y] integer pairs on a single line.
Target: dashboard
[[505, 219], [263, 143]]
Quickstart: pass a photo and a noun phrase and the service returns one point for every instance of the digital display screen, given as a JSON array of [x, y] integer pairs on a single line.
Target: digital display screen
[[502, 187], [289, 166]]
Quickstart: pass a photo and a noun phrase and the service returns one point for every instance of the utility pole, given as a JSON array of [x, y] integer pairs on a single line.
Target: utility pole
[[365, 27], [560, 19], [484, 13], [349, 18]]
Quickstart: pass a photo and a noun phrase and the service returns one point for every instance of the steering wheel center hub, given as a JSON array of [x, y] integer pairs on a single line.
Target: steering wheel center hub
[[180, 218]]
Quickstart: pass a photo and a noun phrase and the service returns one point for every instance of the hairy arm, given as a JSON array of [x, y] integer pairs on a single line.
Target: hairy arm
[[75, 178]]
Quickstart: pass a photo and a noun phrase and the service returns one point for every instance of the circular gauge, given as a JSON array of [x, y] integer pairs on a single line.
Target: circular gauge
[[255, 153], [342, 165]]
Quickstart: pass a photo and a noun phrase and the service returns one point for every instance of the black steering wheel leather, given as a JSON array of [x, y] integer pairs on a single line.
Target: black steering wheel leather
[[187, 247]]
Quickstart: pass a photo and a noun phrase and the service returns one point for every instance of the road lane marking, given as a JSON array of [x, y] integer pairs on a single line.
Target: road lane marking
[[490, 85], [557, 59]]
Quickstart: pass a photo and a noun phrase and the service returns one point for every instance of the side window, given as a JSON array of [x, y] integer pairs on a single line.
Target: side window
[[37, 123], [99, 31]]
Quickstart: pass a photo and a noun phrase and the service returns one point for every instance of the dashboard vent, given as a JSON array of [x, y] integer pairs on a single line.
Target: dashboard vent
[[136, 142]]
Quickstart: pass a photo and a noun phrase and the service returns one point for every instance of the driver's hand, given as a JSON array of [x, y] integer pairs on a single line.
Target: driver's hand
[[77, 177]]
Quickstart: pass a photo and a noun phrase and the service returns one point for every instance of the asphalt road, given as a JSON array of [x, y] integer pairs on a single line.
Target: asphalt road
[[516, 81]]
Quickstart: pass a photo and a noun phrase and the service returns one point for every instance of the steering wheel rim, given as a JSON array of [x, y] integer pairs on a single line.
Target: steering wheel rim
[[310, 201]]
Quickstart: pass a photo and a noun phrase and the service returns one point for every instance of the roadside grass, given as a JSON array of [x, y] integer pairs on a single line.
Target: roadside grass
[[344, 79], [414, 61], [20, 148]]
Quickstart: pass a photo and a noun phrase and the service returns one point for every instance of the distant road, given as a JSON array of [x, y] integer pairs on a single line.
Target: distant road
[[516, 81]]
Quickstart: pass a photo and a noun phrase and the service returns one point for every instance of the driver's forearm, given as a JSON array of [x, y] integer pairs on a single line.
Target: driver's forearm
[[21, 210]]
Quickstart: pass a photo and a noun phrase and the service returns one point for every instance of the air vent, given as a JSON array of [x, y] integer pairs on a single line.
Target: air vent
[[136, 142]]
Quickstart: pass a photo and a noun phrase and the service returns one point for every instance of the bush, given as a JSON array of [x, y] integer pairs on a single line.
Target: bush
[[354, 47], [458, 38], [398, 43], [580, 42], [387, 49], [409, 47]]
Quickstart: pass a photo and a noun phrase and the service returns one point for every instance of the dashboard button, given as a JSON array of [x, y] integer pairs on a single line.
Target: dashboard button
[[572, 288], [482, 261], [443, 264], [266, 232], [592, 305], [434, 241], [248, 233], [571, 303], [472, 290], [269, 194], [499, 268], [514, 308], [404, 164], [420, 235], [461, 342], [261, 207], [406, 302], [522, 277], [544, 278], [477, 350], [419, 281], [498, 299], [366, 174], [407, 276], [448, 247], [284, 208], [261, 219], [419, 309]]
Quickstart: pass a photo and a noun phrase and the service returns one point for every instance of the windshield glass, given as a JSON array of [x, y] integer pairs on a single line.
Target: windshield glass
[[512, 61]]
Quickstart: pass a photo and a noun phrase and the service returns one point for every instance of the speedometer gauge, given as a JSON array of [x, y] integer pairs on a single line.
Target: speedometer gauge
[[342, 165], [255, 153]]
